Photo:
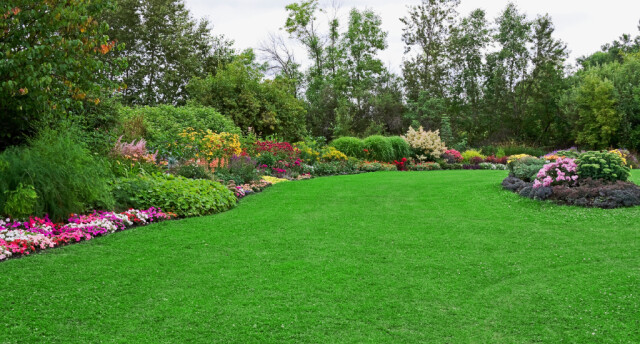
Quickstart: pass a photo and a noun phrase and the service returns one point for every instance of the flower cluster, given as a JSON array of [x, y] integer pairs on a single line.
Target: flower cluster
[[400, 165], [452, 156], [134, 151], [210, 146], [562, 172], [22, 238], [332, 154]]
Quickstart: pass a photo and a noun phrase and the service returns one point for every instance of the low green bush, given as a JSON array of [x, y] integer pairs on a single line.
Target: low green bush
[[350, 146], [525, 168], [602, 166], [378, 148], [179, 195], [66, 177], [401, 148]]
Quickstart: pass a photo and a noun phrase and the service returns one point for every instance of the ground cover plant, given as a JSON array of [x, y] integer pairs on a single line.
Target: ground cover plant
[[361, 258]]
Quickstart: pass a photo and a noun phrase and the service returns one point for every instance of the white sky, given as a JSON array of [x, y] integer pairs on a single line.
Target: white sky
[[583, 24]]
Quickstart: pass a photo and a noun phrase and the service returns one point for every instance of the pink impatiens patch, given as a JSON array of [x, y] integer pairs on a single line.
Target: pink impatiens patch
[[564, 171], [22, 238]]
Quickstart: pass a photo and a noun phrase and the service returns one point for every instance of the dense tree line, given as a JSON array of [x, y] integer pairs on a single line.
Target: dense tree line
[[478, 80]]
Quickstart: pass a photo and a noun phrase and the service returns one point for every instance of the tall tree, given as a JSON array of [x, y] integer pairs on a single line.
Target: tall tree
[[51, 63], [426, 30], [165, 47], [545, 86]]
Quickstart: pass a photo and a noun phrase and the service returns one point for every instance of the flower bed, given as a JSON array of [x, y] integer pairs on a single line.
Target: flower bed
[[23, 238], [592, 179]]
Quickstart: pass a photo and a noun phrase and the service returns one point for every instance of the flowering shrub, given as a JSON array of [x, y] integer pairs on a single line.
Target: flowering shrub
[[307, 154], [279, 150], [23, 238], [134, 151], [452, 156], [426, 143], [206, 145], [629, 159], [468, 155], [332, 154], [562, 172], [495, 160]]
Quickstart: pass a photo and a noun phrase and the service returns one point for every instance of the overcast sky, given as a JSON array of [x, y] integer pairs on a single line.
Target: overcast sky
[[583, 24]]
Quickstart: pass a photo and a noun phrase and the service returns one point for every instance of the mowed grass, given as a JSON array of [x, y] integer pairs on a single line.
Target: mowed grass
[[437, 257]]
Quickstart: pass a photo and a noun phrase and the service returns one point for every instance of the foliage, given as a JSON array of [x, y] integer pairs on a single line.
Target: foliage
[[165, 47], [161, 125], [424, 166], [563, 171], [240, 169], [469, 155], [368, 166], [602, 165], [192, 171], [241, 92], [401, 148], [51, 63], [208, 146], [351, 146], [426, 144], [378, 148], [175, 194], [525, 168], [21, 202], [332, 154], [64, 174], [598, 193], [452, 156]]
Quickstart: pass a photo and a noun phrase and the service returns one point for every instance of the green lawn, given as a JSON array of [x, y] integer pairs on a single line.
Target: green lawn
[[437, 257]]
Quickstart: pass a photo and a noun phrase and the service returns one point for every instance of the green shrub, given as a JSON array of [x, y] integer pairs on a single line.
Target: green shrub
[[602, 166], [401, 148], [526, 168], [470, 154], [179, 195], [21, 202], [160, 125], [65, 176], [378, 148], [350, 146]]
